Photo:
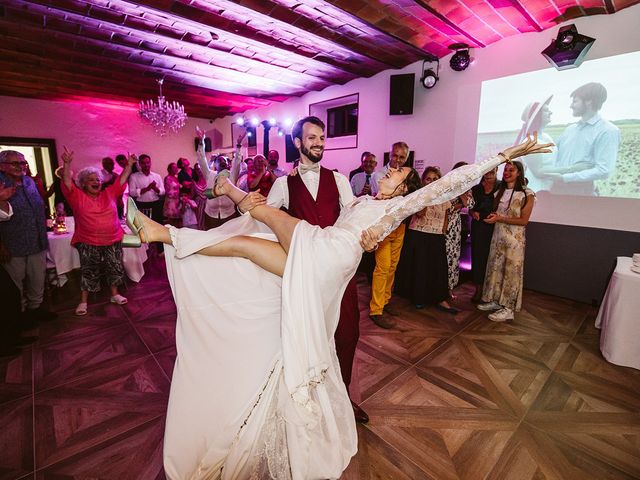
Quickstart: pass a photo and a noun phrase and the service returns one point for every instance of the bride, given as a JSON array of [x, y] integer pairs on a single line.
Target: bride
[[256, 391]]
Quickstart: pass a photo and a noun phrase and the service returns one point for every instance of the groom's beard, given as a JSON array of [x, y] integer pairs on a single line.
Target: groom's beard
[[314, 157]]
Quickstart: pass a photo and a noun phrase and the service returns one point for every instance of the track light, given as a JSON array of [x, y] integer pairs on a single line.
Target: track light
[[568, 49], [429, 77], [461, 59]]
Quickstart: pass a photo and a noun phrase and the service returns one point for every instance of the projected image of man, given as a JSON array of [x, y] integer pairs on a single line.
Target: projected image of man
[[588, 149]]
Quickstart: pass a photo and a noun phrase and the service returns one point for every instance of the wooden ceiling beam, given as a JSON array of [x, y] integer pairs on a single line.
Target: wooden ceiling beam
[[171, 60], [163, 66], [23, 86], [22, 51], [107, 82], [474, 41], [118, 22], [359, 54], [527, 16]]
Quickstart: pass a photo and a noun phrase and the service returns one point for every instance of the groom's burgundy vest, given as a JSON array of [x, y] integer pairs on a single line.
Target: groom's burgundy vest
[[325, 209]]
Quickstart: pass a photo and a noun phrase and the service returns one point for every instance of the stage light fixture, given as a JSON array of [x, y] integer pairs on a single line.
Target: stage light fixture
[[569, 48], [272, 122], [255, 121], [461, 59], [240, 121], [429, 77]]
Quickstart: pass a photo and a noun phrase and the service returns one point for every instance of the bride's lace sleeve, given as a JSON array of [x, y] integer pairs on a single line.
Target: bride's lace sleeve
[[453, 184]]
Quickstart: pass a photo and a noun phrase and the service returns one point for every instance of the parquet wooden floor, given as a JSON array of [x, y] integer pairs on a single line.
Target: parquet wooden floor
[[450, 397]]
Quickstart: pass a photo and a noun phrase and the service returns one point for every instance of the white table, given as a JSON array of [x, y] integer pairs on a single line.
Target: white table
[[64, 258], [619, 317]]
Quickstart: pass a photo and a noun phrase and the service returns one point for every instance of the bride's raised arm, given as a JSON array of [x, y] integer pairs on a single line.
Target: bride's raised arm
[[450, 186]]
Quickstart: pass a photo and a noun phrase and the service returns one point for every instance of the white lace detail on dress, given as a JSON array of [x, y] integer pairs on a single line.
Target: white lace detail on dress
[[453, 184], [272, 458]]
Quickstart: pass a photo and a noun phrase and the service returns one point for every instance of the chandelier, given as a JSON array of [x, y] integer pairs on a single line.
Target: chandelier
[[162, 115]]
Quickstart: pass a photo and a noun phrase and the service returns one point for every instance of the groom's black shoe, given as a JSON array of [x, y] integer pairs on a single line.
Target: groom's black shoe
[[361, 415]]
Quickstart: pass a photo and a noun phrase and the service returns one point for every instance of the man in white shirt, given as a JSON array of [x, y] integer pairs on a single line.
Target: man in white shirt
[[147, 189], [220, 209], [316, 194], [587, 150], [364, 183]]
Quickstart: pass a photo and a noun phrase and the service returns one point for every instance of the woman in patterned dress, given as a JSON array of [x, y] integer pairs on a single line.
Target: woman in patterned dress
[[454, 235], [513, 205]]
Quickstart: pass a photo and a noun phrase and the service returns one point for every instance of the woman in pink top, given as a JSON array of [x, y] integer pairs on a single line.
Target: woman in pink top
[[98, 233]]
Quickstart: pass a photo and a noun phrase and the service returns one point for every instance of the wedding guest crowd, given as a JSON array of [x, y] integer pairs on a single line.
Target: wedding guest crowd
[[426, 258]]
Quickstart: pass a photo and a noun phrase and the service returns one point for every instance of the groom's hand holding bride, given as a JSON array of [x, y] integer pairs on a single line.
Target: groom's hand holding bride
[[250, 201]]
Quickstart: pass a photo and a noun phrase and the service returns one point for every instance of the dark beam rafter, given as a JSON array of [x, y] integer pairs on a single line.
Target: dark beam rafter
[[474, 41]]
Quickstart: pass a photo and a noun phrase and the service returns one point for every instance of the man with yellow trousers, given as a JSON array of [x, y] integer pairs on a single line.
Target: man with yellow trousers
[[388, 252]]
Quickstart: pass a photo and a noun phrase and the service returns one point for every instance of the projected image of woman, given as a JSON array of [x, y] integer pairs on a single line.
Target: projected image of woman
[[535, 117]]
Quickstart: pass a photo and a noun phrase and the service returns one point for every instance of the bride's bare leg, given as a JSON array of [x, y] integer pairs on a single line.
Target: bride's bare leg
[[264, 253], [281, 223]]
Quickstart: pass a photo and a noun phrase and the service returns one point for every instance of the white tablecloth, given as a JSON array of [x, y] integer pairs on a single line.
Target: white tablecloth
[[619, 317], [64, 258]]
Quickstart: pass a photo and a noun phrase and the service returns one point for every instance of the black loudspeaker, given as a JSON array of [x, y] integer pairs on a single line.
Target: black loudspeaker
[[207, 144], [292, 152], [401, 94], [251, 137]]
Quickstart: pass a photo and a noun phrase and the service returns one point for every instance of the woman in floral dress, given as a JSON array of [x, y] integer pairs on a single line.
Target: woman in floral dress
[[454, 235], [513, 205]]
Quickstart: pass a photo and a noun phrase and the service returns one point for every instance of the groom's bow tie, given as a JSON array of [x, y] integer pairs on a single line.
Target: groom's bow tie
[[314, 167]]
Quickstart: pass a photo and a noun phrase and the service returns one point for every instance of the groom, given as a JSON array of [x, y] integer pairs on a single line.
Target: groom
[[316, 194]]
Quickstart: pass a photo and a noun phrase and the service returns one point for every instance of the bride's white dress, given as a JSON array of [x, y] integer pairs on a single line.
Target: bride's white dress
[[256, 390]]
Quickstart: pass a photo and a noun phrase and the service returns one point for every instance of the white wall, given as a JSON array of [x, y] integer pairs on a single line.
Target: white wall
[[443, 127], [94, 130]]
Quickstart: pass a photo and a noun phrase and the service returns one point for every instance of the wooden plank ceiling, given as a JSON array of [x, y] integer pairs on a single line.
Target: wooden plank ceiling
[[220, 57]]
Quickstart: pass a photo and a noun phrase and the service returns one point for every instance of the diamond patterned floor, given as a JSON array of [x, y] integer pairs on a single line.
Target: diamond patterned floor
[[450, 397]]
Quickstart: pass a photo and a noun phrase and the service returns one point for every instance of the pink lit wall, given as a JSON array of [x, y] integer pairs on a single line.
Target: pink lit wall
[[94, 130], [443, 127]]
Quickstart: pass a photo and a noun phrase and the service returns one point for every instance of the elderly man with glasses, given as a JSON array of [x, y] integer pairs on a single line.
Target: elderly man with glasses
[[23, 238]]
